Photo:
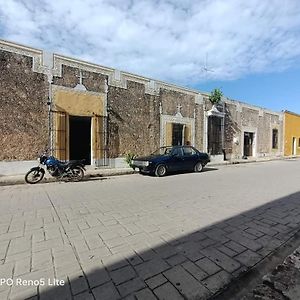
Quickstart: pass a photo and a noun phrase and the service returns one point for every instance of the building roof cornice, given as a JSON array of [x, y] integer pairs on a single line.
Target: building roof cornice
[[51, 65]]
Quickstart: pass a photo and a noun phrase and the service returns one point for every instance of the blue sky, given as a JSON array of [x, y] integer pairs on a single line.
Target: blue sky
[[253, 47], [276, 91]]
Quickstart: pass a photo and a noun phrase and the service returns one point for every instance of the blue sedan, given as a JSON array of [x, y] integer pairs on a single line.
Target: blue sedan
[[171, 159]]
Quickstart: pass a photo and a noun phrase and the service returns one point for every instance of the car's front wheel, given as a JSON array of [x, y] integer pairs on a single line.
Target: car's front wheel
[[160, 171], [198, 167]]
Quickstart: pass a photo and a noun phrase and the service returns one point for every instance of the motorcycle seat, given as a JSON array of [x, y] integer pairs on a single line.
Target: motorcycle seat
[[71, 163], [76, 162]]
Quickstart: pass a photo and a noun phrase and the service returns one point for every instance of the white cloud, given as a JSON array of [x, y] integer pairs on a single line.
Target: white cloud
[[166, 40]]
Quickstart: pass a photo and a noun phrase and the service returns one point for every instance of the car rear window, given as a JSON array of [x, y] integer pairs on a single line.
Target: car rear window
[[188, 151]]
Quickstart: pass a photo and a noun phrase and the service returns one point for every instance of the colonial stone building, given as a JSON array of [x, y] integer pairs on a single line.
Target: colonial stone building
[[78, 110]]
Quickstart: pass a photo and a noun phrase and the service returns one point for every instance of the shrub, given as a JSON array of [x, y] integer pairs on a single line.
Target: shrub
[[129, 157]]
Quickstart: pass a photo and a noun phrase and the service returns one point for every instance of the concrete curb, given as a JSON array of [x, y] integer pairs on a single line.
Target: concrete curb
[[246, 161]]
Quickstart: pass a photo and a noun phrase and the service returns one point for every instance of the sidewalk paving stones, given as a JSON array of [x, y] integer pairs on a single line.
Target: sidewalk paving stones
[[208, 266], [224, 261], [168, 292], [123, 274], [106, 291], [187, 285], [156, 281], [145, 294], [131, 286], [217, 281]]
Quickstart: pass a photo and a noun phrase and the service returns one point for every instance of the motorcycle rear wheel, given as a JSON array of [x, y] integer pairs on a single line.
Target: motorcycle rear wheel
[[34, 176], [77, 174]]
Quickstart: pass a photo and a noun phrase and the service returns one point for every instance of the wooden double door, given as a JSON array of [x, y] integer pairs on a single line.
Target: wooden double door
[[248, 143]]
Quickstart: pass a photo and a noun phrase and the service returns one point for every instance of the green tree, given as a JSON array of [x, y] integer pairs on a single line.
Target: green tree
[[215, 96]]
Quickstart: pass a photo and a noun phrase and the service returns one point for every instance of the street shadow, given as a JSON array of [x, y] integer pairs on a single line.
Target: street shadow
[[205, 169], [183, 265], [208, 169], [94, 178], [47, 181], [85, 179]]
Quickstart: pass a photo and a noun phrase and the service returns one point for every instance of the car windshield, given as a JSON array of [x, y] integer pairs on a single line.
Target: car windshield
[[162, 151]]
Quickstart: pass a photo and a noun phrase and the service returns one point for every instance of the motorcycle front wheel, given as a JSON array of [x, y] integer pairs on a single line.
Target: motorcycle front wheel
[[34, 176], [77, 174]]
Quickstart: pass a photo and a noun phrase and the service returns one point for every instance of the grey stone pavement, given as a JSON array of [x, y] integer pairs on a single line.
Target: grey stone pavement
[[139, 237]]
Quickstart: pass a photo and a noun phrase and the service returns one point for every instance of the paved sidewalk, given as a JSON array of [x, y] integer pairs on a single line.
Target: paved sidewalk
[[140, 237], [90, 174], [103, 172]]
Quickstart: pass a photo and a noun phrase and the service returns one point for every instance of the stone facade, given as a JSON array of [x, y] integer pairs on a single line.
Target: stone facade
[[133, 120], [241, 118], [93, 82], [137, 114], [23, 108]]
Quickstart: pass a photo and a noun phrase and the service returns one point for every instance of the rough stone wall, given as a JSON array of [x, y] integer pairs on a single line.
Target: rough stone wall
[[133, 116], [23, 108], [154, 122], [249, 117], [264, 134], [170, 99], [266, 124], [133, 120], [93, 82]]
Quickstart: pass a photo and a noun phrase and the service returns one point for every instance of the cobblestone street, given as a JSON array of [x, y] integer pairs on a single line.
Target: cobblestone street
[[139, 237]]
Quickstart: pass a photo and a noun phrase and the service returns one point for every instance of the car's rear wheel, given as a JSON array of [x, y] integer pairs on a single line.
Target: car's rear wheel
[[198, 167], [160, 170]]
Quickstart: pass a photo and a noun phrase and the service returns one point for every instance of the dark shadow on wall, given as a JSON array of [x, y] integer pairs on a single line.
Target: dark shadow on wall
[[186, 266], [232, 129]]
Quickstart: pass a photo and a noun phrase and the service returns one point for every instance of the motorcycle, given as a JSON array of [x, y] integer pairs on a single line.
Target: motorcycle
[[72, 170]]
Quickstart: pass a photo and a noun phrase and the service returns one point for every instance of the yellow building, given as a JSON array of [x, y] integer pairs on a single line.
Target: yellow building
[[291, 133]]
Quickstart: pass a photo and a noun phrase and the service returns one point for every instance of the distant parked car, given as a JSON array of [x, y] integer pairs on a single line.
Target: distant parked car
[[171, 159]]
